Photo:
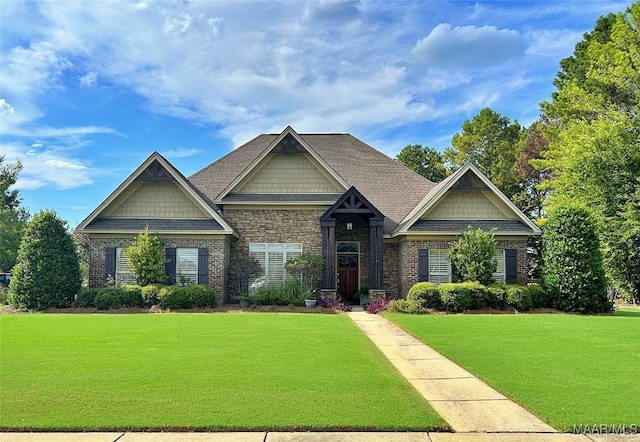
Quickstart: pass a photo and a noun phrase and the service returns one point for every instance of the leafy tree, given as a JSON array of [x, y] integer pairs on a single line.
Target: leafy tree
[[594, 133], [622, 250], [473, 256], [532, 195], [13, 218], [308, 268], [492, 142], [146, 260], [424, 161], [47, 273], [573, 271], [242, 270]]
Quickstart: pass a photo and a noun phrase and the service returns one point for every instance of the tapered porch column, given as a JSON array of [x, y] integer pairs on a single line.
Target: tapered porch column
[[328, 254], [376, 254]]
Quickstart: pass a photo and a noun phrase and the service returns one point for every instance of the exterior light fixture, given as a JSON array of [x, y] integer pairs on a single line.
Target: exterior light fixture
[[349, 226]]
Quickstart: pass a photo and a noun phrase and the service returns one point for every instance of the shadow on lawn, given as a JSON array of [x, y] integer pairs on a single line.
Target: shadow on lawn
[[635, 313]]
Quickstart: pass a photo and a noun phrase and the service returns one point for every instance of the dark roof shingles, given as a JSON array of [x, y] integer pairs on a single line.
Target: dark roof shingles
[[459, 225], [175, 224], [389, 186]]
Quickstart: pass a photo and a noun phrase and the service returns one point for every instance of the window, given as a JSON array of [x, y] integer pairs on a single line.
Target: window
[[123, 274], [499, 274], [439, 266], [272, 258], [186, 266]]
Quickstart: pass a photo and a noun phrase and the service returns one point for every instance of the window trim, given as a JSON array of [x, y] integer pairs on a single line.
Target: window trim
[[183, 278], [434, 257], [123, 276], [288, 250], [498, 276]]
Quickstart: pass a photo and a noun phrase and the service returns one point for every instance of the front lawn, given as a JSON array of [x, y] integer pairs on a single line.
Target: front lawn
[[222, 371], [568, 369]]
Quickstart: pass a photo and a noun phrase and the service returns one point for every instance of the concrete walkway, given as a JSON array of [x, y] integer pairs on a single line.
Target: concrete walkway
[[463, 400]]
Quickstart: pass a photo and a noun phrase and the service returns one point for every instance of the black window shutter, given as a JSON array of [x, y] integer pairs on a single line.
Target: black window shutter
[[511, 265], [423, 265], [170, 265], [455, 277], [203, 266], [109, 262]]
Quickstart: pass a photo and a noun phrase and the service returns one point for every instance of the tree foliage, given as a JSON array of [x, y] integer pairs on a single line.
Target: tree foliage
[[47, 273], [573, 271], [13, 218], [423, 160], [594, 132], [146, 259], [493, 143], [473, 256]]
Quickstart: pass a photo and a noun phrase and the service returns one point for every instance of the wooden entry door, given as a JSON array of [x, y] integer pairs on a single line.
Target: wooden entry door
[[348, 277]]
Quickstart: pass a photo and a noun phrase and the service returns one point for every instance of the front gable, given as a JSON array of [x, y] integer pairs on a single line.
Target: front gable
[[156, 196], [466, 198], [289, 166]]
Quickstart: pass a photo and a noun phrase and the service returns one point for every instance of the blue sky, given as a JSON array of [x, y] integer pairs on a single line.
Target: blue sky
[[90, 89]]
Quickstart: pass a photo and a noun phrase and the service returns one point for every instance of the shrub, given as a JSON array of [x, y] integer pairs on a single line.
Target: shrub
[[378, 306], [459, 297], [108, 298], [4, 295], [518, 297], [150, 294], [131, 296], [146, 259], [117, 297], [333, 303], [86, 298], [307, 267], [201, 295], [573, 271], [47, 272], [268, 296], [294, 292], [426, 293], [412, 306], [173, 297], [495, 296], [473, 256], [539, 297]]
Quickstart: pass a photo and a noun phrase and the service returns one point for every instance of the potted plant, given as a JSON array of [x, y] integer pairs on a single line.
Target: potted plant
[[310, 300], [363, 295], [243, 300]]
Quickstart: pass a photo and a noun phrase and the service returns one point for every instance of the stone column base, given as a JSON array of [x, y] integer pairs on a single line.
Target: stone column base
[[329, 293], [376, 295]]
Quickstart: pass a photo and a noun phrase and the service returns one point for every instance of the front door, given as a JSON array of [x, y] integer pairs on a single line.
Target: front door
[[348, 277]]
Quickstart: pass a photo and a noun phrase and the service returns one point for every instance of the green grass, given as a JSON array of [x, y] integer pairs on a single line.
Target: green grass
[[223, 371], [567, 369]]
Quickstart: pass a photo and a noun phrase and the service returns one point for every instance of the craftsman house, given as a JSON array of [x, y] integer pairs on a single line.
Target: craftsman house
[[377, 224]]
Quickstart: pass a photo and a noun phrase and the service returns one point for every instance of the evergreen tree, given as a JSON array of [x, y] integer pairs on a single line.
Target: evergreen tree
[[47, 272], [573, 271]]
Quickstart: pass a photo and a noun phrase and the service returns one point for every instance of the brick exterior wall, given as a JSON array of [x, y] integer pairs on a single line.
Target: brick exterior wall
[[391, 270], [218, 258], [408, 259]]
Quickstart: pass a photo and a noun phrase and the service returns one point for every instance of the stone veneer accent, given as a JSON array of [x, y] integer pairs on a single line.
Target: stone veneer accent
[[408, 262], [218, 258], [275, 226]]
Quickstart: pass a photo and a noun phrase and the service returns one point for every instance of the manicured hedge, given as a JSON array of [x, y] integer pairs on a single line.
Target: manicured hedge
[[168, 297], [459, 297]]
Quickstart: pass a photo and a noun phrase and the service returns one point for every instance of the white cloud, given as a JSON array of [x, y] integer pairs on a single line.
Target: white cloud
[[89, 80], [468, 46], [215, 23], [181, 152], [48, 168], [36, 145], [177, 24], [5, 108], [553, 43], [62, 132]]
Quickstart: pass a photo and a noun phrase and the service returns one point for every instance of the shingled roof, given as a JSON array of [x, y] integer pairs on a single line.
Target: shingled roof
[[391, 187]]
